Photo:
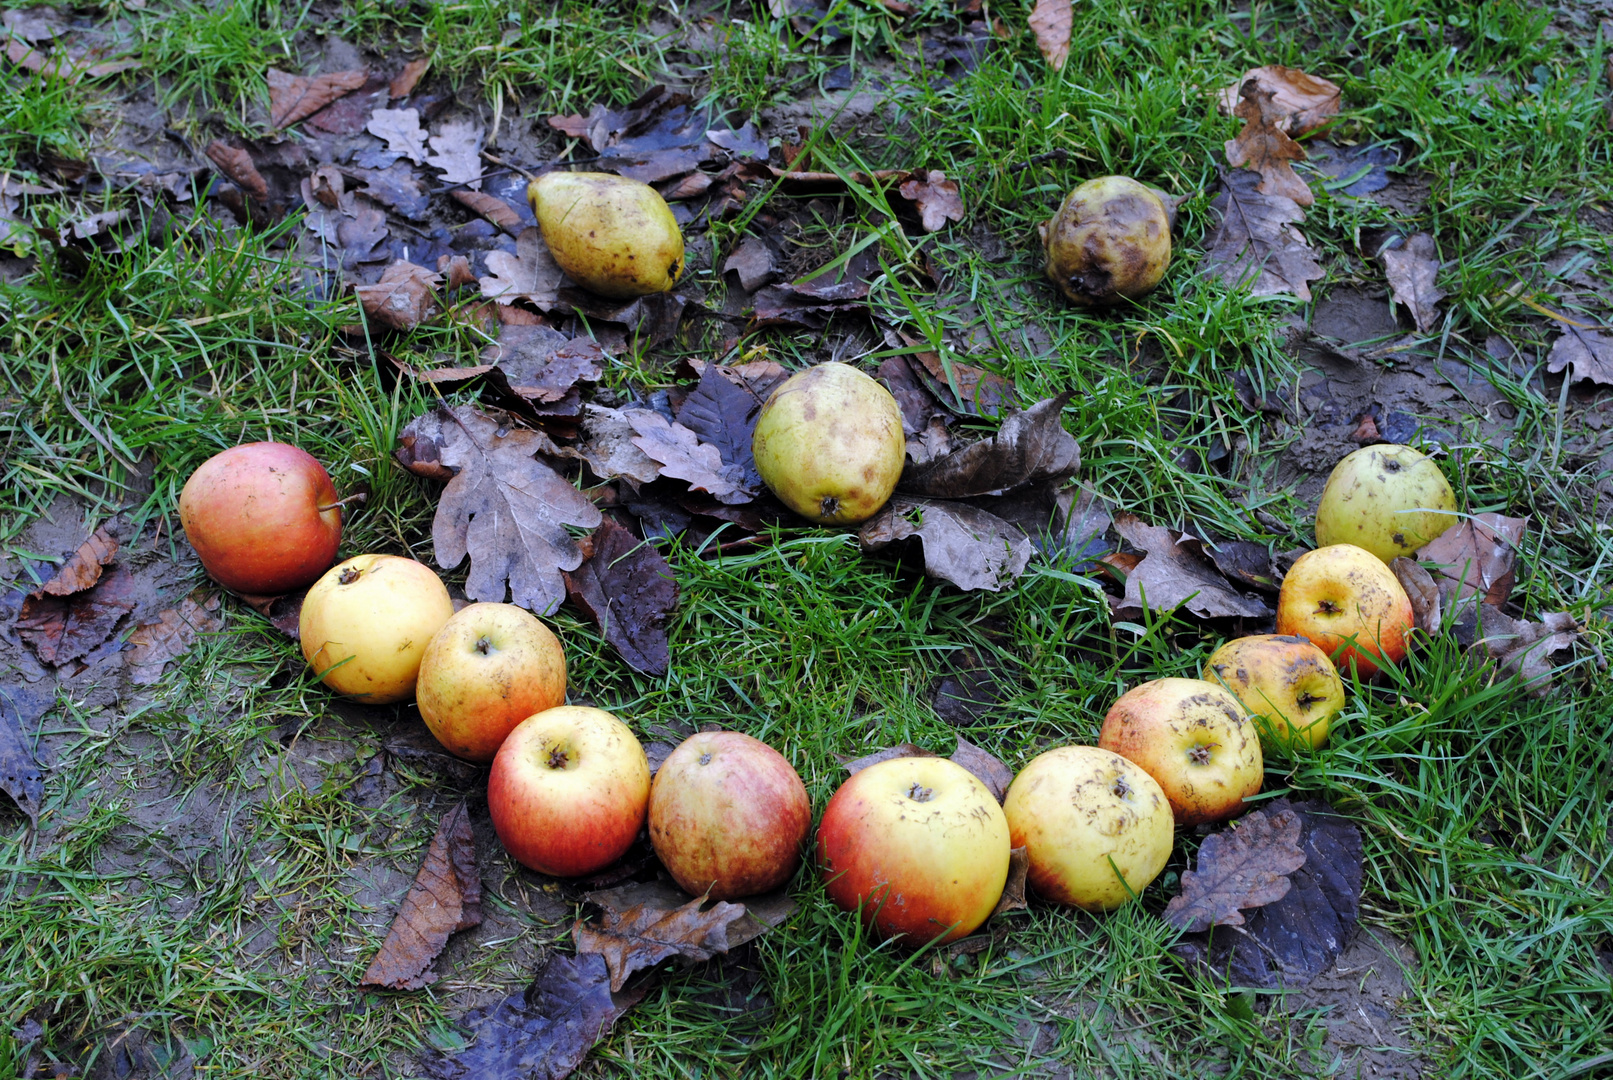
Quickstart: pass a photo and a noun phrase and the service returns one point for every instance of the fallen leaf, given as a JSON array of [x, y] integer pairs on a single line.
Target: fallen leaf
[[919, 406], [284, 613], [753, 262], [743, 142], [1031, 447], [492, 208], [985, 766], [962, 544], [1242, 561], [1253, 244], [297, 97], [1422, 591], [660, 135], [456, 268], [609, 449], [1524, 648], [1264, 147], [531, 274], [1476, 556], [1286, 944], [1013, 897], [397, 188], [237, 165], [541, 364], [1356, 171], [626, 588], [504, 508], [1245, 866], [402, 131], [1590, 353], [63, 628], [1087, 518], [457, 152], [680, 454], [83, 568], [60, 65], [760, 377], [962, 388], [446, 898], [1171, 575], [811, 303], [35, 26], [169, 637], [936, 197], [1051, 23], [723, 413], [21, 705], [1411, 269], [404, 298], [404, 83], [1300, 103], [543, 1032], [644, 935]]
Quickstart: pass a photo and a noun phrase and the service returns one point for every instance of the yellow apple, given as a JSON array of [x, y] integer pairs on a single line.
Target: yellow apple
[[1347, 601], [1388, 499], [1095, 827], [490, 667], [1284, 679], [366, 623]]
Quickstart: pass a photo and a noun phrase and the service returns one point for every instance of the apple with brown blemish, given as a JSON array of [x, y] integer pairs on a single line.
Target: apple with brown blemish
[[1389, 499], [1288, 685], [1195, 739], [366, 623], [1350, 604]]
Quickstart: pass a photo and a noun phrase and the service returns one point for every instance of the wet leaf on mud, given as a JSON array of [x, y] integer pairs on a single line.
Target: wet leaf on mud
[[531, 274], [1253, 244], [1411, 269], [405, 297], [1013, 898], [492, 208], [1265, 148], [83, 568], [456, 151], [297, 97], [1299, 104], [962, 388], [1589, 355], [169, 637], [1476, 556], [962, 544], [236, 164], [626, 587], [446, 897], [1525, 649], [22, 703], [63, 628], [723, 413], [543, 1032], [935, 197], [504, 508], [1051, 22], [753, 262], [1244, 866], [680, 453], [1031, 447], [642, 935], [1171, 575], [541, 364], [402, 131], [985, 766]]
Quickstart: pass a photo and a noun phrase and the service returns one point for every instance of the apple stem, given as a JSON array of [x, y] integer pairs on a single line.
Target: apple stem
[[350, 575], [357, 496]]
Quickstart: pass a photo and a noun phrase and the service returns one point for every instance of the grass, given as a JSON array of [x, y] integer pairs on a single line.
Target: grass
[[207, 867]]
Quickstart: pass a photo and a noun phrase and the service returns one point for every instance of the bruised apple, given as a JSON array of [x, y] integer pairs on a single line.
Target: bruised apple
[[1195, 739], [728, 815], [1110, 241], [263, 517], [829, 444], [918, 845], [365, 625], [1388, 499], [1349, 603], [1095, 827], [1285, 680]]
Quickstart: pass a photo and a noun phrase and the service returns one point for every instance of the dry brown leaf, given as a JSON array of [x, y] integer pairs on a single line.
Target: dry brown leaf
[[1245, 866], [1171, 575], [985, 766], [608, 447], [457, 152], [1030, 448], [1411, 269], [58, 64], [1263, 147], [237, 164], [962, 544], [1013, 898], [402, 131], [1254, 244], [403, 85], [1051, 22], [753, 262], [1476, 557], [404, 298], [935, 196], [1524, 648], [456, 269], [492, 208], [83, 568], [504, 508], [446, 897], [531, 274], [63, 628], [1300, 103], [1589, 353], [170, 636], [681, 454], [626, 587], [644, 935], [297, 97], [1427, 612]]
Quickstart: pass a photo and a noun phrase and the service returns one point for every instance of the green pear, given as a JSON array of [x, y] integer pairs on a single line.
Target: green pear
[[1110, 240], [612, 235]]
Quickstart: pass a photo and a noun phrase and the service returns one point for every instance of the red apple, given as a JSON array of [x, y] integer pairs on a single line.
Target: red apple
[[1349, 603], [918, 845], [569, 790], [365, 625], [728, 815], [490, 667], [264, 517], [1195, 739]]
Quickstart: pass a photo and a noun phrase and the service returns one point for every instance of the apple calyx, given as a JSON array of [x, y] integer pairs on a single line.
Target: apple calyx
[[484, 645], [1121, 789], [1200, 754], [1328, 607], [350, 575], [705, 759], [1307, 699], [558, 758], [829, 507], [920, 793]]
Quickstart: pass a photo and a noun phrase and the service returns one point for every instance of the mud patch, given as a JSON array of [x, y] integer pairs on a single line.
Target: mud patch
[[1359, 1001]]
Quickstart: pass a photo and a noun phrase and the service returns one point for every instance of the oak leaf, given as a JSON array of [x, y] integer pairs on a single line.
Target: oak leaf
[[626, 587], [83, 568], [1051, 22], [970, 547], [1264, 147], [1588, 353], [645, 934], [1253, 244], [1246, 866], [1411, 269], [1300, 103]]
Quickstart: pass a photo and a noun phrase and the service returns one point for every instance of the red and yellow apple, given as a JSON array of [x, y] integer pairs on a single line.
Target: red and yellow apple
[[728, 815], [263, 517], [365, 625], [1349, 603], [1388, 499], [1095, 827], [490, 667], [568, 791], [1284, 681], [918, 845], [1195, 739]]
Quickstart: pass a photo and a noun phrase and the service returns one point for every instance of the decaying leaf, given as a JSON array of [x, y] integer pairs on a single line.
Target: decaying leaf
[[969, 690], [22, 703], [63, 628], [962, 388], [446, 897], [660, 135], [541, 364], [59, 64], [811, 303], [170, 636], [1051, 23], [1244, 866], [531, 274], [237, 164], [1300, 103], [626, 587], [457, 152], [83, 568], [962, 544], [1523, 648], [402, 131], [504, 508], [645, 934], [297, 97], [1587, 353], [681, 454], [1244, 562], [1013, 898], [889, 753], [1171, 575], [403, 84], [1254, 244], [1427, 612], [936, 198], [492, 208], [285, 612], [609, 449], [404, 298], [1031, 447], [723, 413], [1264, 147], [985, 765], [1411, 269], [753, 262], [1476, 556]]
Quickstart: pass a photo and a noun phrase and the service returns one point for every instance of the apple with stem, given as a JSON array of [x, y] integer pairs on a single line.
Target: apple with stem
[[365, 625], [1350, 604], [1388, 499]]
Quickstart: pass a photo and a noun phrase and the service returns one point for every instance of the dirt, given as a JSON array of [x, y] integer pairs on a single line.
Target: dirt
[[1363, 1000]]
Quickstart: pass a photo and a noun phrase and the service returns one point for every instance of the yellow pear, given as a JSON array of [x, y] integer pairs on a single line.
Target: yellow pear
[[612, 235]]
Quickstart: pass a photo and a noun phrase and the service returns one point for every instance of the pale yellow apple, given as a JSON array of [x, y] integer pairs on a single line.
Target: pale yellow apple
[[1388, 499], [1095, 827], [366, 623], [490, 667], [1284, 679]]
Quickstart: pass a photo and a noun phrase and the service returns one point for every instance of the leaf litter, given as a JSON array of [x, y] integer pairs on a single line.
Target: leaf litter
[[625, 586], [1411, 267], [446, 897]]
